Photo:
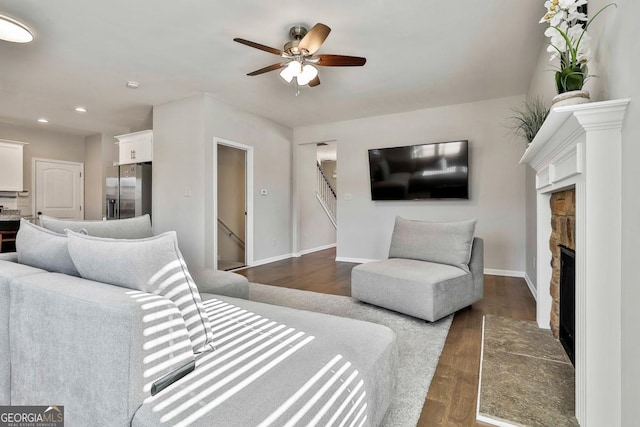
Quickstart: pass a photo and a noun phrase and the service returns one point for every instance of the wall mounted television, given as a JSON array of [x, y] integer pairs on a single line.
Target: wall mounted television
[[415, 172]]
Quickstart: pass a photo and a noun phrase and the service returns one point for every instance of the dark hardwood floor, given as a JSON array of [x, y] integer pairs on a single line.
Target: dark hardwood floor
[[453, 393]]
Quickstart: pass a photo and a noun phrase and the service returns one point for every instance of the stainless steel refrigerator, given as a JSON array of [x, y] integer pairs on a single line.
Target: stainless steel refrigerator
[[128, 191]]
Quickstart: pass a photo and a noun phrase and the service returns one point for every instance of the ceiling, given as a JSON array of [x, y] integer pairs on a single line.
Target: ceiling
[[420, 54]]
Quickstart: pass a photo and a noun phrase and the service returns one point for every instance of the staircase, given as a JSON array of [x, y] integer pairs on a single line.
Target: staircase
[[326, 195], [224, 264]]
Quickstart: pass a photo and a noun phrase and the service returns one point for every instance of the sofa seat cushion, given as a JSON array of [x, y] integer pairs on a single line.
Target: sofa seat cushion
[[220, 282], [129, 228], [426, 290], [276, 364], [9, 256]]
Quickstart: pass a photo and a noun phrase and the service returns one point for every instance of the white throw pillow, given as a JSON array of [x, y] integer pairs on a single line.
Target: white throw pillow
[[153, 265]]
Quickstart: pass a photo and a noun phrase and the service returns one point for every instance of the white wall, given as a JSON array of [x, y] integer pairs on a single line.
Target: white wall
[[178, 164], [542, 86], [183, 158], [109, 156], [616, 59], [316, 230], [93, 177], [43, 143], [497, 180]]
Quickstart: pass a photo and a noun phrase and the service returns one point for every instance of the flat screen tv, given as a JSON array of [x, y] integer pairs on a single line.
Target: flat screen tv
[[415, 172]]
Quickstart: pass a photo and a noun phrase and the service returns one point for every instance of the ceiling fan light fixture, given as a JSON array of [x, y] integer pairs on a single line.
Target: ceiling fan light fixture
[[14, 31], [308, 73], [293, 69]]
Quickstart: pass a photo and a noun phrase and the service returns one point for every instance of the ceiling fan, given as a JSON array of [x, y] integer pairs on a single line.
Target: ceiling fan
[[300, 56]]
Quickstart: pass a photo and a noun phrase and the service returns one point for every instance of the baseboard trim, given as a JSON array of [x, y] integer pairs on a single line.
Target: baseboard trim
[[312, 250], [531, 286], [270, 260], [354, 260], [507, 273]]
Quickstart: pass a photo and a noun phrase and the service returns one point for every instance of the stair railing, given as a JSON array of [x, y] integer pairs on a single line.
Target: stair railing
[[233, 236], [326, 195]]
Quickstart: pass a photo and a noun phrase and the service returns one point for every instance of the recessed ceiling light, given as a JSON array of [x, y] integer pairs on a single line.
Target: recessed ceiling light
[[81, 109], [133, 85], [43, 120], [14, 31]]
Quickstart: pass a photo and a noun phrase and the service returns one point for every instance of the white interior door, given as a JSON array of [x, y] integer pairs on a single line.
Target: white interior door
[[58, 189]]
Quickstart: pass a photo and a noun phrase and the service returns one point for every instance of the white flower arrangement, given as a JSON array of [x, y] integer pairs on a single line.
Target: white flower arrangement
[[569, 41]]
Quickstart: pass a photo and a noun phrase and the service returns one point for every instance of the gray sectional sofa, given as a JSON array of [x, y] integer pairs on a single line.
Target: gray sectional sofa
[[97, 349]]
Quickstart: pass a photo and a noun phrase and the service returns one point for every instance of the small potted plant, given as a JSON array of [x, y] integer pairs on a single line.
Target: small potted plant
[[569, 42], [528, 118]]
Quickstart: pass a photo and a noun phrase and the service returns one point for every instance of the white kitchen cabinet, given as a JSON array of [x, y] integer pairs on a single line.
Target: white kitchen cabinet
[[135, 147], [11, 165]]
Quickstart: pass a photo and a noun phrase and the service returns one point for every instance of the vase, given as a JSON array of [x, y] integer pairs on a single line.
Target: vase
[[571, 97]]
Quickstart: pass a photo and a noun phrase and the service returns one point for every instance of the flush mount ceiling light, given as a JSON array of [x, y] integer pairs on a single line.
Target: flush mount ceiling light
[[80, 109], [133, 85], [43, 120], [14, 31]]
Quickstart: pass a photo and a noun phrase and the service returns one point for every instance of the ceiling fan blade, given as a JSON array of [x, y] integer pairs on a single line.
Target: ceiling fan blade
[[267, 69], [314, 82], [314, 38], [259, 46], [340, 61]]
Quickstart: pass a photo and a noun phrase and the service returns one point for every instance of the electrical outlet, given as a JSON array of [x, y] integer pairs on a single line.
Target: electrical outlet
[[187, 191]]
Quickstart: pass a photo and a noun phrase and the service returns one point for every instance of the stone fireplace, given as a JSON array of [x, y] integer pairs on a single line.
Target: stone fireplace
[[579, 148], [563, 221]]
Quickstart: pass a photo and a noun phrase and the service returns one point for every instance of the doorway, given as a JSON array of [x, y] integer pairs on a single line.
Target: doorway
[[58, 188], [233, 207], [316, 197]]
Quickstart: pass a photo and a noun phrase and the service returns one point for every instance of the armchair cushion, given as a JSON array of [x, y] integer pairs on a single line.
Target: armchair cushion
[[153, 265], [442, 242]]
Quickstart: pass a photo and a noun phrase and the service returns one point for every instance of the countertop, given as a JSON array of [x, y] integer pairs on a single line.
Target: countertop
[[13, 215]]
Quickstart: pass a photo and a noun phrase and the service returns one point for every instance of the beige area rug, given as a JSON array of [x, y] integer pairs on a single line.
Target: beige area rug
[[526, 379]]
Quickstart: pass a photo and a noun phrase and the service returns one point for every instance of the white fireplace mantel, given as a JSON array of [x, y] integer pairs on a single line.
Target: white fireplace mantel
[[581, 146]]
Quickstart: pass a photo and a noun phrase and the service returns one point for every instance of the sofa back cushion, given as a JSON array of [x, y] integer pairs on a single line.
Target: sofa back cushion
[[442, 242], [129, 228], [153, 265], [45, 249]]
